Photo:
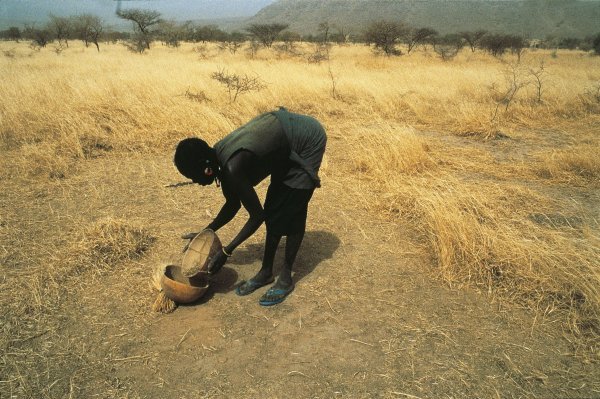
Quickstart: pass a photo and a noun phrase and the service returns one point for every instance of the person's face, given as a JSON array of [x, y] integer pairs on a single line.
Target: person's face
[[205, 178]]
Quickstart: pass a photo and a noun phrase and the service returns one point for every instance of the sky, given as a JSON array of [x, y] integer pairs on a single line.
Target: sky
[[20, 12]]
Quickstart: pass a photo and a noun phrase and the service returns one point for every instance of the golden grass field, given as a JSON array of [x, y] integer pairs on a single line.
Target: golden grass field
[[497, 195]]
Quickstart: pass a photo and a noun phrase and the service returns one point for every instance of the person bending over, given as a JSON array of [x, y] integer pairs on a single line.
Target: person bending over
[[288, 147]]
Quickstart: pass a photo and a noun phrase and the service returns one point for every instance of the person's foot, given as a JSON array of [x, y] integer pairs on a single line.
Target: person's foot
[[277, 293], [248, 287]]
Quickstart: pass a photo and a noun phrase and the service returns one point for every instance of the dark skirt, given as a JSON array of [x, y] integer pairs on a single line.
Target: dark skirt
[[286, 209]]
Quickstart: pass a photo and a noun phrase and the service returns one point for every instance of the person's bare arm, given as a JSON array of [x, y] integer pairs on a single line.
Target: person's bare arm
[[235, 179], [229, 209], [238, 187]]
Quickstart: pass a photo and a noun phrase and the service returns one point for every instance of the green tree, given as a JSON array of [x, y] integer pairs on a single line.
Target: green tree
[[495, 44], [266, 33], [143, 21], [473, 39], [172, 33], [419, 36], [384, 35], [39, 37], [208, 33]]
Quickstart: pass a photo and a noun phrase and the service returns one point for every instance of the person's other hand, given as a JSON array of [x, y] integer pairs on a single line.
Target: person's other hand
[[190, 237], [217, 262]]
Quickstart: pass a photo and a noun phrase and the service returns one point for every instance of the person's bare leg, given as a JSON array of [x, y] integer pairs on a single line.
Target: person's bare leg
[[292, 245], [265, 274]]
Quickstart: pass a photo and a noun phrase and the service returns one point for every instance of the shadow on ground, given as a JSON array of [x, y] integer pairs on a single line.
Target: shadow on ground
[[317, 246]]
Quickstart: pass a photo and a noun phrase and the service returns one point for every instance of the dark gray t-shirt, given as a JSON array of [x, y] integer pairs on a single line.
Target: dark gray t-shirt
[[301, 137]]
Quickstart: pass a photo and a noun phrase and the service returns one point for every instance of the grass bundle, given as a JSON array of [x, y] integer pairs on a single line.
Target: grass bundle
[[162, 304]]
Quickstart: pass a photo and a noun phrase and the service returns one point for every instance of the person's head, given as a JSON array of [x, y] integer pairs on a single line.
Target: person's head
[[196, 160]]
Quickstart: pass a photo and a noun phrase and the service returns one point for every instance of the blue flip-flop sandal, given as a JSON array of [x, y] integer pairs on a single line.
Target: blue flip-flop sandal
[[248, 287], [273, 296]]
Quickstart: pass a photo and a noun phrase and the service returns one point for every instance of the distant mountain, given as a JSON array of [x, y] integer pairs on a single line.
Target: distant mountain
[[20, 12], [530, 18]]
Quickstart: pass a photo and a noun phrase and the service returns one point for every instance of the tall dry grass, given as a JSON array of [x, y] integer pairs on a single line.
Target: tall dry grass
[[491, 228], [81, 103], [57, 110]]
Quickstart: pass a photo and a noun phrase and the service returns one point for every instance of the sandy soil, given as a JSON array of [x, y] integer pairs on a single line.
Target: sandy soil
[[367, 319]]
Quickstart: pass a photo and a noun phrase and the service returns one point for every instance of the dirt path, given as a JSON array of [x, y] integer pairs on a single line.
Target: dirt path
[[366, 320]]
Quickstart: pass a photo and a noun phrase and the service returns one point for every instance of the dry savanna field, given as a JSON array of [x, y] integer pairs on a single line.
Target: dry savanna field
[[453, 250]]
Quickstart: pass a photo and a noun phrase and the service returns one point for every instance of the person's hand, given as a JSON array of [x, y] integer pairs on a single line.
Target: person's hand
[[217, 262], [190, 237]]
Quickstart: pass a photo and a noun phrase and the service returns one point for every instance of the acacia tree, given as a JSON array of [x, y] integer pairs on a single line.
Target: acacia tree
[[266, 33], [419, 36], [517, 45], [496, 45], [473, 39], [39, 37], [172, 33], [142, 20], [208, 33], [448, 46], [323, 29], [61, 27], [88, 29], [384, 36]]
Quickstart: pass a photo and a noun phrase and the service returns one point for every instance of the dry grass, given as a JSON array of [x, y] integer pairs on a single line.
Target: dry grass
[[489, 233], [80, 104], [34, 350], [108, 242], [84, 103], [581, 162], [489, 222]]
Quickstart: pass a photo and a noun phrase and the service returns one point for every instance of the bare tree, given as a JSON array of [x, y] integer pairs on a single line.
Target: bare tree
[[539, 78], [514, 77], [88, 28], [323, 29], [266, 33], [62, 28], [237, 84], [143, 21]]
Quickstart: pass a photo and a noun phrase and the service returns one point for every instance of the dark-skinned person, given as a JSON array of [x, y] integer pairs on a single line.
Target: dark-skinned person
[[289, 148]]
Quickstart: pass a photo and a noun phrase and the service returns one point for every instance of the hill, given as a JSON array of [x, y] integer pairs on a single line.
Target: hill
[[530, 18], [21, 12]]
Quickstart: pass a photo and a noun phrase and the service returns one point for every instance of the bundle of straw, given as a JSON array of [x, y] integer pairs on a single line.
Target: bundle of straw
[[162, 304]]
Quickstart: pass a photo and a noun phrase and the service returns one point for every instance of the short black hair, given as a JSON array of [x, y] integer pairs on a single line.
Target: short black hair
[[192, 155]]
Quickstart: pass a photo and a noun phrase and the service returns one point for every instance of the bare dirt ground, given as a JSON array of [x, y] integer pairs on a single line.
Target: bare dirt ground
[[367, 319]]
